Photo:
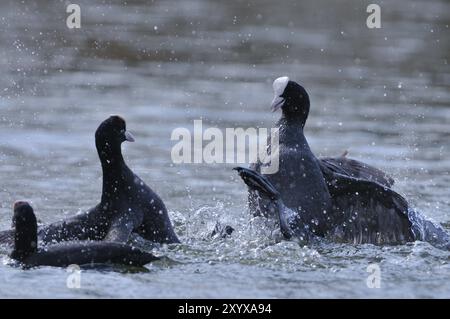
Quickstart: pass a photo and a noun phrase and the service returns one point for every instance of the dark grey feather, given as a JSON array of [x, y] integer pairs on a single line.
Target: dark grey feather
[[356, 169]]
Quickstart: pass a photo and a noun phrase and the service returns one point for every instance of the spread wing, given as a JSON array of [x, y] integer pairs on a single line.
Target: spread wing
[[365, 211], [120, 229], [259, 206], [356, 169]]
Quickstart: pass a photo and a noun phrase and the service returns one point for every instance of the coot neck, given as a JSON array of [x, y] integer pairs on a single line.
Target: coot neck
[[291, 131], [25, 242], [110, 156], [113, 167]]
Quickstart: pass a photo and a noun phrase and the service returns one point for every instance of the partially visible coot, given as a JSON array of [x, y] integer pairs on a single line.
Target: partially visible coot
[[26, 250]]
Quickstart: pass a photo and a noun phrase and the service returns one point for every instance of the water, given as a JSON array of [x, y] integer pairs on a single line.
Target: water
[[382, 94]]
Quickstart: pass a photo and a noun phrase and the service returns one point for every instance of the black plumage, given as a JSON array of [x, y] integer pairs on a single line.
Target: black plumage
[[127, 204], [334, 197], [26, 251]]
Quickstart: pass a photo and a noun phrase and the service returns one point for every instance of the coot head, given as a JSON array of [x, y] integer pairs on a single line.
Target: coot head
[[113, 130], [292, 98], [25, 230], [109, 136]]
